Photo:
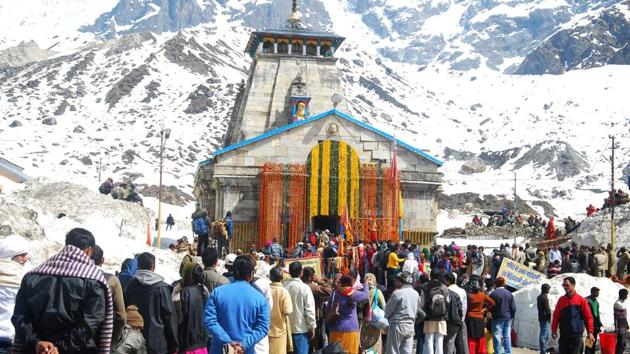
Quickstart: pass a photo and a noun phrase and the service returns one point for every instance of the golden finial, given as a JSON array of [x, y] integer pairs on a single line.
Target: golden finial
[[295, 18]]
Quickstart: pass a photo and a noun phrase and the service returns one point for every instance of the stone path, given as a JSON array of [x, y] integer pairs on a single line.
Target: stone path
[[523, 351]]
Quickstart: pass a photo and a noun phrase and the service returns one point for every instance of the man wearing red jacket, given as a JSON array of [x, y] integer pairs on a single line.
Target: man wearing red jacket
[[572, 313]]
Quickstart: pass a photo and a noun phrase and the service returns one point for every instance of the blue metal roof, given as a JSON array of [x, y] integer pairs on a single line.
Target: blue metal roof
[[312, 119], [12, 171]]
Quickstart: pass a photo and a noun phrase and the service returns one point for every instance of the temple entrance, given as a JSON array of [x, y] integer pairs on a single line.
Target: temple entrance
[[298, 198], [326, 222]]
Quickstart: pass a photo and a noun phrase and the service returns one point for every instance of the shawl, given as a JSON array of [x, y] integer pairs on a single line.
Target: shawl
[[73, 262]]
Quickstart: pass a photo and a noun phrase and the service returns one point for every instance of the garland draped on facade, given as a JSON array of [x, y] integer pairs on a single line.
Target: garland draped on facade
[[378, 202], [334, 179], [282, 213]]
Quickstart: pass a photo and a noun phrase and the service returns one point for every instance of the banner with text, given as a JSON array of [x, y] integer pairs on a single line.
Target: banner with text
[[314, 262], [518, 275]]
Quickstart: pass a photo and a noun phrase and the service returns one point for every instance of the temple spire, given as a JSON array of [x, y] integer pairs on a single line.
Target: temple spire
[[295, 19]]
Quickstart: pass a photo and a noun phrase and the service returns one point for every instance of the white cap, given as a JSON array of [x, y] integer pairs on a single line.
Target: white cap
[[229, 259], [12, 246]]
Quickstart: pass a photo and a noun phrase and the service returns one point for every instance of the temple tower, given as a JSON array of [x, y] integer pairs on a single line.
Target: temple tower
[[293, 74], [294, 161]]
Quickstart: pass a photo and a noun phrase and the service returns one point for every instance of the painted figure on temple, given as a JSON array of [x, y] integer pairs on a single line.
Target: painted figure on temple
[[300, 112]]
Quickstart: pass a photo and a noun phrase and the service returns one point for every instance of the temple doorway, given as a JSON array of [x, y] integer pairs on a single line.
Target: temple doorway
[[326, 222]]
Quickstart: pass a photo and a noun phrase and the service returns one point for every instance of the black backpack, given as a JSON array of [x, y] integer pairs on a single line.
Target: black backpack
[[435, 258], [105, 188], [382, 262], [437, 303]]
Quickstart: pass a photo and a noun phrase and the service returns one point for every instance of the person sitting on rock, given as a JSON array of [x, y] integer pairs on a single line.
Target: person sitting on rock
[[622, 197], [531, 220], [554, 269], [590, 210], [107, 186], [510, 218], [476, 220]]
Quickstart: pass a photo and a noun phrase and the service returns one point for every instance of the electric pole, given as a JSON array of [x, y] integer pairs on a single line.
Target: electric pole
[[165, 133], [515, 211], [611, 197], [100, 168]]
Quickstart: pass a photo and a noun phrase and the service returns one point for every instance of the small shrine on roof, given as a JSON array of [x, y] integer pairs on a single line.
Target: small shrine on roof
[[293, 161], [295, 39]]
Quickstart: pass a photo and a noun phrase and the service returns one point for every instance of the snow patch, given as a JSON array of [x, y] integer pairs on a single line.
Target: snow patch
[[526, 319]]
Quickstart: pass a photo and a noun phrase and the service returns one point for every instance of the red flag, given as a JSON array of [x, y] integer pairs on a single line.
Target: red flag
[[149, 234], [394, 170], [395, 178]]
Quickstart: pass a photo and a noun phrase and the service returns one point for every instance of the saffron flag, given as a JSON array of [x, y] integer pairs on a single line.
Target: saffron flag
[[345, 222], [394, 169]]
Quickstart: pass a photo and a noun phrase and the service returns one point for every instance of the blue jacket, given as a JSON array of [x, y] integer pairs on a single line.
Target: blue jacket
[[128, 273], [505, 307], [237, 313], [229, 225]]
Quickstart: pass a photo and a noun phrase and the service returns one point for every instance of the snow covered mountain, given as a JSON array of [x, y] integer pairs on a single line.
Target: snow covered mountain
[[593, 41], [446, 34], [112, 76]]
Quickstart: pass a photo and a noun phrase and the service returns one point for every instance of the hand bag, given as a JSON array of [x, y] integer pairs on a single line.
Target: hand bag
[[378, 315]]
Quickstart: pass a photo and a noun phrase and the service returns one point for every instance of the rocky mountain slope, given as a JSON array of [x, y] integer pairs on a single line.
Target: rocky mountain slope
[[444, 34], [603, 39], [96, 107]]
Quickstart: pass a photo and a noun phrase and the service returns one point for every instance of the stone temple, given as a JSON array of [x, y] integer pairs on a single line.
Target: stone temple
[[294, 161]]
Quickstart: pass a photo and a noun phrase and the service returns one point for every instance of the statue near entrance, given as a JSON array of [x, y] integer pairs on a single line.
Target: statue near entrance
[[299, 100], [300, 113]]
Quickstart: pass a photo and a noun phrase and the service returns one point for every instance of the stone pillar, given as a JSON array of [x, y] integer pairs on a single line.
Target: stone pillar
[[290, 45], [332, 51], [304, 49], [318, 50], [260, 47], [275, 47]]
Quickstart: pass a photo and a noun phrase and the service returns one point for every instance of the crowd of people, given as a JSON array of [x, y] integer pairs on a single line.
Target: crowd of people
[[539, 226], [372, 298], [121, 190], [506, 217], [616, 198]]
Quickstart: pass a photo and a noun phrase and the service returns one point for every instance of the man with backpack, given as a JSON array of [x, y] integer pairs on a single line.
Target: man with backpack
[[153, 297], [380, 263], [170, 222], [200, 228], [502, 315], [435, 302], [456, 342]]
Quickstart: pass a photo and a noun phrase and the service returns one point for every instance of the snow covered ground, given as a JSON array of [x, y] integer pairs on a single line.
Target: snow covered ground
[[120, 227], [51, 23], [526, 320]]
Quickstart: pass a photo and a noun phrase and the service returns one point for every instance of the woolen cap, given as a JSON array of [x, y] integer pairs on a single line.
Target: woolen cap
[[134, 318]]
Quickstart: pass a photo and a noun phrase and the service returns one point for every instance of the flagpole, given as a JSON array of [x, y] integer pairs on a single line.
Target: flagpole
[[395, 177]]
